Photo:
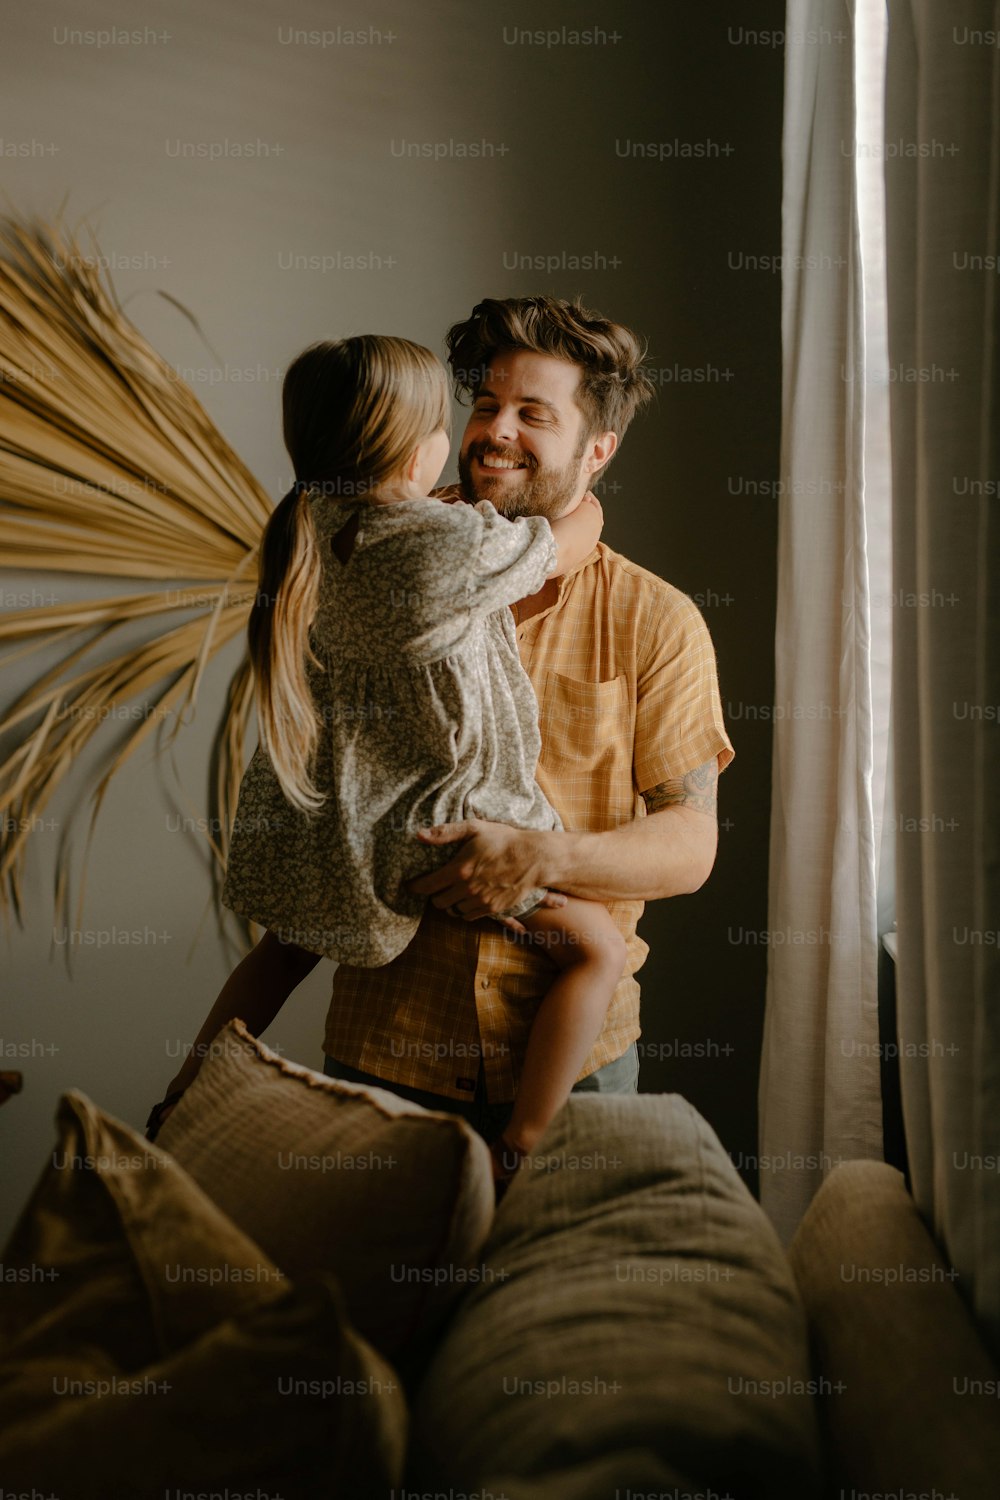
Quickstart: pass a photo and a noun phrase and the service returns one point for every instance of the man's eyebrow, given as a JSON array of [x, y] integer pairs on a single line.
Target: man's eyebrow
[[484, 390]]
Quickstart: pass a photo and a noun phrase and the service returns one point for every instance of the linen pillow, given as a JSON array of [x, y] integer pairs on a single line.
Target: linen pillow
[[147, 1342], [396, 1200], [910, 1389], [636, 1317]]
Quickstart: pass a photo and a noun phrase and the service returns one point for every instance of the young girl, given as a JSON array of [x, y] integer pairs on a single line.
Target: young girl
[[390, 696]]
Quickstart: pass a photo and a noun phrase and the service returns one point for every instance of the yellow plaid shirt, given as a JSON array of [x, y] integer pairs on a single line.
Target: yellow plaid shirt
[[624, 672]]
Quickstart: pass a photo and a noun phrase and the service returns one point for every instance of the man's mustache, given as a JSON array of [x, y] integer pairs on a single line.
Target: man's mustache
[[488, 450]]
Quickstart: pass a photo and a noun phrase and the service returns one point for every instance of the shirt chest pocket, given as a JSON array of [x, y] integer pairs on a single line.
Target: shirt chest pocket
[[585, 726]]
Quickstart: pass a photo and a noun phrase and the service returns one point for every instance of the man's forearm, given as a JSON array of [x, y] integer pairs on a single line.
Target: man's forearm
[[667, 853]]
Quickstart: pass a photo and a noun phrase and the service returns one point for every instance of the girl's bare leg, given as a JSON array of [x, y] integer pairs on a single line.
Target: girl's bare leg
[[255, 991], [590, 952]]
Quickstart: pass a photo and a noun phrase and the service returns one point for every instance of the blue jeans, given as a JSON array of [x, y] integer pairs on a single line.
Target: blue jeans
[[490, 1120]]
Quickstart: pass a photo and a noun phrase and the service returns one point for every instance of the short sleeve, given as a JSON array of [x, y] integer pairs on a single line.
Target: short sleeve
[[513, 558], [679, 723]]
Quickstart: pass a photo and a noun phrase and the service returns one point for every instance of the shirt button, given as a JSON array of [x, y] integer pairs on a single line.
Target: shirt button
[[485, 983]]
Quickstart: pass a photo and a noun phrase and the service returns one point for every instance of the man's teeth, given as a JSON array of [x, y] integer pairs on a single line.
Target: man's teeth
[[489, 462]]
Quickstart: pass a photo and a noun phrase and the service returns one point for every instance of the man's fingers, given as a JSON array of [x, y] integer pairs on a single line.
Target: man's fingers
[[450, 896], [457, 900], [554, 898], [438, 882], [445, 833], [475, 913]]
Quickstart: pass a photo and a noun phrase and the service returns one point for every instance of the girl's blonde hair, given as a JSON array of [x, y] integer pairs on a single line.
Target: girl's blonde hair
[[354, 411]]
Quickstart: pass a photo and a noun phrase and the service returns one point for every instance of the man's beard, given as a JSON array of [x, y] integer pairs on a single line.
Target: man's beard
[[536, 492]]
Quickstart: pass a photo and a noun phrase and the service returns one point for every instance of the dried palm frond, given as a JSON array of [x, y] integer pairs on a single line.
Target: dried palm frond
[[109, 465]]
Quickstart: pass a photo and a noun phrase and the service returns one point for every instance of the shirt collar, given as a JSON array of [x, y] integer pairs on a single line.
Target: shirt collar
[[591, 556]]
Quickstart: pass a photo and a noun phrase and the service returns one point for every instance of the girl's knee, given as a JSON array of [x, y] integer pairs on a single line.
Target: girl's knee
[[600, 943], [616, 951], [607, 932], [580, 933]]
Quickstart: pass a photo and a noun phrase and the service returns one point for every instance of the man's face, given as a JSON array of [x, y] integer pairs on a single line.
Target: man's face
[[524, 448]]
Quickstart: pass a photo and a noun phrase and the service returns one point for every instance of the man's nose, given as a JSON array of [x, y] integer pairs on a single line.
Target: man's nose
[[502, 427]]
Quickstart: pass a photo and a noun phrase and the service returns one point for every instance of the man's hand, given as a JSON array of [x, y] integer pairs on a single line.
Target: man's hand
[[494, 869]]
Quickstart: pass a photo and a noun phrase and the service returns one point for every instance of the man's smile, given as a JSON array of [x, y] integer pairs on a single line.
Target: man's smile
[[499, 463]]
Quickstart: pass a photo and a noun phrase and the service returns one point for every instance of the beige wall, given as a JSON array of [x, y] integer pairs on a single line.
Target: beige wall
[[112, 123]]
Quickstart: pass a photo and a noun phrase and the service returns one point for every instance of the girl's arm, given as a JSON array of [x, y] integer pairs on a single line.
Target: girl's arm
[[577, 534], [511, 558]]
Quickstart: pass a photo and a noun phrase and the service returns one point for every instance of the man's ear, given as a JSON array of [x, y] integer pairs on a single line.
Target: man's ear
[[601, 450]]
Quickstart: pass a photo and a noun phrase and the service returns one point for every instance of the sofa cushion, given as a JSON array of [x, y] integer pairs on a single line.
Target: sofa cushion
[[323, 1174], [636, 1316], [910, 1390], [147, 1342]]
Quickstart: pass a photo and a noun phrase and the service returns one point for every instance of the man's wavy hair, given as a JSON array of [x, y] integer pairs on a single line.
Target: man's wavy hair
[[614, 383]]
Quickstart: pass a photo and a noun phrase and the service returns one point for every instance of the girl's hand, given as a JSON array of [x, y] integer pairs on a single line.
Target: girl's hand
[[591, 499], [577, 534]]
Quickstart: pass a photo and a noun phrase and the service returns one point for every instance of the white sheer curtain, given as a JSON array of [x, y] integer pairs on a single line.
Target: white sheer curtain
[[943, 248], [820, 1099]]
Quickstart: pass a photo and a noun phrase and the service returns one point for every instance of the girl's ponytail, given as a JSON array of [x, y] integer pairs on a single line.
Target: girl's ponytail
[[353, 411], [278, 638]]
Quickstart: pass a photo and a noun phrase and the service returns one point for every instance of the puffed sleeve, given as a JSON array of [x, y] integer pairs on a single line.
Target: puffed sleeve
[[512, 559]]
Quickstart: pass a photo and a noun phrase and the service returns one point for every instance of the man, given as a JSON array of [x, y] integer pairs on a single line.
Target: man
[[632, 735], [632, 740]]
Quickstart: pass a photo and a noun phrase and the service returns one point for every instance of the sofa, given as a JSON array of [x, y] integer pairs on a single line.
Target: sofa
[[304, 1288]]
